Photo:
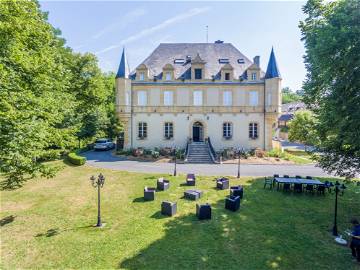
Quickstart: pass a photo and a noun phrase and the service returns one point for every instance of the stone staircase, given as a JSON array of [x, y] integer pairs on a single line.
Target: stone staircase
[[198, 152]]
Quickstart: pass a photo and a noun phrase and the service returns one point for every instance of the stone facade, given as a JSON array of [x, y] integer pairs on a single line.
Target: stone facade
[[198, 108]]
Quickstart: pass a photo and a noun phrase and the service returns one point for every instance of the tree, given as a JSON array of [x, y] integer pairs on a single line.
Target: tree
[[332, 87], [301, 128], [289, 96], [49, 95]]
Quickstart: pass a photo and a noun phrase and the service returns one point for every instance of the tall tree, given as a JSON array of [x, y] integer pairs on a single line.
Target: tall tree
[[331, 34]]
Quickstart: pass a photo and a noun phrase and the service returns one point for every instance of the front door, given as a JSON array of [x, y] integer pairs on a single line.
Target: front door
[[196, 133]]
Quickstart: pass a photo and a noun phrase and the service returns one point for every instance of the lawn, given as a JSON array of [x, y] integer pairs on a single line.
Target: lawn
[[48, 224], [299, 156]]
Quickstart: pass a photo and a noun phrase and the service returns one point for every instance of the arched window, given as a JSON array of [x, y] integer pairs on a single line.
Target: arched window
[[227, 130]]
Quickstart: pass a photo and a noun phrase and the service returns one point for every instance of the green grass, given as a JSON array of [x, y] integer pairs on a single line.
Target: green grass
[[298, 156], [50, 226]]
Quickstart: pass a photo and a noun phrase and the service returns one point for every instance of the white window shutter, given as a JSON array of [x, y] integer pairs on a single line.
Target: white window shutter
[[254, 98]]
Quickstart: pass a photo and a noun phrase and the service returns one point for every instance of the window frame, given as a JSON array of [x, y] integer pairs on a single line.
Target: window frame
[[168, 76], [141, 76], [201, 98], [142, 130], [251, 98], [227, 130], [139, 101], [253, 76], [253, 130], [196, 72], [230, 102], [165, 96], [168, 130], [227, 76]]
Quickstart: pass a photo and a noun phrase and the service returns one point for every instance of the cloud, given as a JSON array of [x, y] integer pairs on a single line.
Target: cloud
[[125, 20], [148, 31]]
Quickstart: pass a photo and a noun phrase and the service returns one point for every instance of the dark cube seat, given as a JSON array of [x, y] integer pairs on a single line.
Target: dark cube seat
[[190, 179], [163, 184], [193, 194], [203, 211], [232, 203], [237, 191], [168, 208], [222, 183], [149, 193]]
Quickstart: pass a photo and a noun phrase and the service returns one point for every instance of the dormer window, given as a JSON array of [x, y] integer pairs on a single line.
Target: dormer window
[[227, 76], [253, 76], [241, 61], [179, 61], [168, 76], [198, 73], [142, 76], [224, 61]]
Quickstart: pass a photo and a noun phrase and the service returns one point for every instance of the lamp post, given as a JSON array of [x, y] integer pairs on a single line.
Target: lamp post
[[98, 183], [337, 190], [175, 161], [238, 169]]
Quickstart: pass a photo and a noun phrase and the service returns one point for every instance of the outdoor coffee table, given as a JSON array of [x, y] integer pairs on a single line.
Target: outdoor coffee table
[[193, 194]]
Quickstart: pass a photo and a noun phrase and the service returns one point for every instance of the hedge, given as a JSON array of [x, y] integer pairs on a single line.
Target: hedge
[[75, 159]]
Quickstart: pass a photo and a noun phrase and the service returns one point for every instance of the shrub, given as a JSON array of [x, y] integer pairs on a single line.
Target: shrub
[[166, 151], [73, 158], [155, 154], [137, 152]]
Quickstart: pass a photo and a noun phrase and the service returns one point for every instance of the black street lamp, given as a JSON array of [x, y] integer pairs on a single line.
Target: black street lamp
[[175, 161], [99, 183], [338, 188], [238, 169]]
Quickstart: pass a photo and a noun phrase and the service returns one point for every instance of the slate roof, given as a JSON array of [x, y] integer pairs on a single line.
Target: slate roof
[[122, 70], [210, 53], [286, 117], [272, 70], [293, 106]]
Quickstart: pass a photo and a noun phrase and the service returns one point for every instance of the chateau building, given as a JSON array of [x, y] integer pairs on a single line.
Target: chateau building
[[190, 92]]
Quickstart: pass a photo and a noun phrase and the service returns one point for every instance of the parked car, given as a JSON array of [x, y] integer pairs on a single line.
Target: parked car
[[104, 144]]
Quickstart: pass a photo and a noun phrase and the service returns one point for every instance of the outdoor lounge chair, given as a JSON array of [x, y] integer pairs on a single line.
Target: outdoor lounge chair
[[232, 203], [163, 184], [203, 211], [268, 181], [168, 208], [193, 194], [237, 191], [222, 183], [149, 193], [190, 179]]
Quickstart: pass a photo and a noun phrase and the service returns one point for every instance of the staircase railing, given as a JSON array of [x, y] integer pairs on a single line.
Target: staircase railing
[[212, 150], [186, 153]]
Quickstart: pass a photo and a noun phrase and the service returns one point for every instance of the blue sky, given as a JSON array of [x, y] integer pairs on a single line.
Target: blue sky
[[253, 27]]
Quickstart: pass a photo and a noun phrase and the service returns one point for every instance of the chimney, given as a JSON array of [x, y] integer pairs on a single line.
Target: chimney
[[257, 60]]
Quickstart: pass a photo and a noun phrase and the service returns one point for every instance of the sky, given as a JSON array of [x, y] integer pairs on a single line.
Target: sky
[[105, 27]]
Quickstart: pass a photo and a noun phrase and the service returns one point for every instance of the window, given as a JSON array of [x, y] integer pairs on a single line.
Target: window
[[253, 130], [168, 76], [227, 76], [168, 98], [241, 61], [227, 130], [253, 76], [198, 98], [224, 61], [198, 74], [168, 130], [254, 98], [142, 98], [142, 76], [179, 61], [127, 99], [142, 130], [227, 98]]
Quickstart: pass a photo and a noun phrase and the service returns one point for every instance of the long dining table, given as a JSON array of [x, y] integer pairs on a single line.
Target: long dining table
[[293, 180]]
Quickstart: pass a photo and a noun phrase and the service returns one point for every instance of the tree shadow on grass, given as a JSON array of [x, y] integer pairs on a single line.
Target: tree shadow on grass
[[7, 220], [272, 230], [49, 233]]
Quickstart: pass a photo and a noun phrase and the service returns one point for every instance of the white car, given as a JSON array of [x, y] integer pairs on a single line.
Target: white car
[[104, 144]]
